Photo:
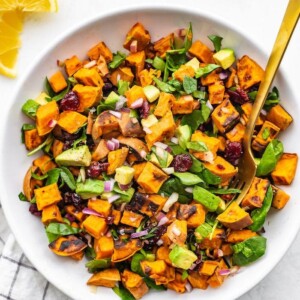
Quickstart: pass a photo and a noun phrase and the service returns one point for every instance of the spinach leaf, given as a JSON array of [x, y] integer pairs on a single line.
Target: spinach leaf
[[136, 263], [123, 293], [202, 95], [46, 143], [197, 146], [55, 230], [217, 41], [188, 40], [175, 59], [194, 120], [203, 231], [158, 63], [68, 178], [102, 107], [206, 198], [125, 196], [53, 176], [96, 264], [174, 185], [48, 88], [90, 253], [259, 215], [38, 177], [249, 250], [205, 111], [187, 178], [162, 156], [62, 94], [152, 285], [272, 99], [26, 127], [270, 158], [176, 84], [30, 108], [118, 58], [204, 71], [225, 191], [163, 86], [22, 197], [210, 178], [123, 87], [189, 84]]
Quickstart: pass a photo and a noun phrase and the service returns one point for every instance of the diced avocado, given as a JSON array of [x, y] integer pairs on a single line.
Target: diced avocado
[[41, 98], [183, 134], [112, 98], [202, 232], [225, 58], [106, 195], [222, 206], [151, 92], [182, 257], [206, 198], [90, 188], [194, 63], [124, 174], [75, 157], [162, 162], [29, 108], [125, 196], [123, 87], [151, 120]]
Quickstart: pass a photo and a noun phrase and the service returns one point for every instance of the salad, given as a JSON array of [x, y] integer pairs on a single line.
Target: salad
[[136, 154]]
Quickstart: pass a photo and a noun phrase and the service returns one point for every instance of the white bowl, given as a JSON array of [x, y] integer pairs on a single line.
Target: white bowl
[[70, 276]]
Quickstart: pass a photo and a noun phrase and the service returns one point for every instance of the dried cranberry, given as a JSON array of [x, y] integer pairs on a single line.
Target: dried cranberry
[[148, 66], [145, 110], [96, 168], [233, 152], [182, 162], [70, 101], [34, 210], [110, 220], [238, 96], [70, 218], [153, 240], [73, 198]]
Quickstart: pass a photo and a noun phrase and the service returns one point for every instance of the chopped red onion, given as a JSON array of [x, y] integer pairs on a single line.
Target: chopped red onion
[[133, 46], [220, 253], [160, 242], [189, 190], [117, 114], [90, 64], [172, 199], [174, 140], [89, 211], [137, 103], [169, 171], [160, 152], [110, 145], [113, 198], [188, 97], [234, 270], [161, 145], [52, 123], [109, 185], [143, 153], [163, 221], [208, 104], [188, 287], [136, 235], [122, 100], [224, 272], [176, 231], [193, 266], [134, 120], [147, 130], [223, 75], [108, 234], [89, 240], [122, 206], [118, 77], [116, 142], [159, 216], [263, 112]]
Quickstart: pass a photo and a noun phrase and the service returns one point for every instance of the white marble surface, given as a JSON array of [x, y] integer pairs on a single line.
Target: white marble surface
[[260, 18]]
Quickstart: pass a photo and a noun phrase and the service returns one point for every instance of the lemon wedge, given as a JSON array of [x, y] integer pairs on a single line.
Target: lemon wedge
[[29, 5]]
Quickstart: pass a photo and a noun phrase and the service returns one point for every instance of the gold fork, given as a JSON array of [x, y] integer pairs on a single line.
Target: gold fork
[[247, 166]]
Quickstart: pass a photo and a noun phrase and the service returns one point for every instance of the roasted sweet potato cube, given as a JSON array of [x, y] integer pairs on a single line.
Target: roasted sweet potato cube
[[222, 143], [153, 267], [222, 168], [45, 115], [198, 217], [234, 217], [208, 267], [95, 226], [89, 77], [116, 214], [267, 133], [78, 256], [121, 73], [73, 211], [124, 250], [67, 246], [163, 45], [57, 147], [101, 151], [280, 198], [50, 214], [32, 139], [152, 178], [44, 163], [137, 60], [107, 278], [216, 279], [57, 82], [47, 195], [237, 236], [131, 218], [211, 78], [280, 117], [247, 109], [138, 168], [227, 250], [104, 123], [285, 169], [177, 232], [157, 200], [71, 121], [236, 134], [198, 281], [165, 102], [134, 93], [116, 159], [177, 285], [256, 194], [104, 247], [129, 126], [162, 253], [225, 116], [248, 72], [230, 80], [184, 71], [202, 52], [183, 105], [100, 206], [215, 242], [72, 65], [216, 92], [88, 96], [135, 284], [100, 49]]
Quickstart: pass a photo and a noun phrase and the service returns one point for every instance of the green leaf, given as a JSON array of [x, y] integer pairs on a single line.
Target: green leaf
[[53, 176], [272, 99], [118, 58], [68, 178], [96, 264], [203, 231], [158, 63], [123, 87], [205, 111], [209, 177], [201, 95], [136, 263], [28, 127], [225, 191], [175, 59], [102, 107], [22, 197], [123, 293], [48, 88], [206, 198], [188, 178], [194, 120], [266, 133], [30, 108], [152, 285], [164, 87], [46, 143], [174, 185], [62, 94], [197, 146], [204, 71], [176, 84], [39, 177], [81, 139], [188, 40], [55, 230], [217, 41], [189, 84], [162, 160], [90, 253]]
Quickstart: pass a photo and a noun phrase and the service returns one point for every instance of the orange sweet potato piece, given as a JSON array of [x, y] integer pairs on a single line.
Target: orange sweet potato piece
[[28, 183], [145, 76], [211, 78], [89, 77], [57, 82], [124, 250], [202, 52], [134, 93], [50, 214], [198, 281], [158, 200], [152, 178], [280, 117], [222, 143], [131, 218], [135, 144], [130, 127], [216, 92], [88, 96], [71, 121], [177, 232], [215, 242], [162, 253], [285, 169], [163, 45], [248, 72], [67, 245], [47, 195], [121, 73], [101, 151], [178, 285], [116, 159], [45, 115], [208, 267], [135, 284], [230, 80], [78, 256], [32, 139], [137, 33], [184, 71], [183, 105], [247, 108], [154, 267], [138, 168], [165, 102], [238, 236], [100, 206], [280, 198], [95, 226], [107, 278], [44, 163], [197, 218], [104, 247], [72, 210], [100, 49], [57, 147], [236, 134], [72, 65], [137, 60], [216, 279], [227, 250], [234, 217], [116, 214]]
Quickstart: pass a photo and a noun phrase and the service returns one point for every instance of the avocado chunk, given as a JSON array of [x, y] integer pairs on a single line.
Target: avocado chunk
[[90, 188], [151, 120], [124, 175], [194, 63], [222, 206], [183, 134], [160, 157], [225, 58], [151, 92], [112, 98], [75, 157], [182, 257]]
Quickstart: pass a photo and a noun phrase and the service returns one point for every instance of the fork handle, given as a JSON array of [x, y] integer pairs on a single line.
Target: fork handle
[[285, 32]]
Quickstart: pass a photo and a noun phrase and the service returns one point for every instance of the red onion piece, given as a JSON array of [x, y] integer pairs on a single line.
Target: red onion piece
[[133, 46], [52, 123], [109, 185], [174, 140], [234, 270], [193, 266], [220, 253], [147, 130], [163, 221], [117, 114], [208, 104], [176, 231], [143, 153], [224, 272], [122, 100], [160, 152], [188, 287], [223, 75], [90, 64], [181, 32], [139, 234], [110, 145], [159, 216], [160, 242], [116, 142], [137, 103], [113, 198], [89, 211], [161, 145]]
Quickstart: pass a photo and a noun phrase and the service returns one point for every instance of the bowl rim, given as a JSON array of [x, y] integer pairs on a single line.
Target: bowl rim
[[168, 7]]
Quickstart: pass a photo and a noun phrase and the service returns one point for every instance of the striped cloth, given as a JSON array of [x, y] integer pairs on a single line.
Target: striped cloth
[[19, 280]]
